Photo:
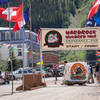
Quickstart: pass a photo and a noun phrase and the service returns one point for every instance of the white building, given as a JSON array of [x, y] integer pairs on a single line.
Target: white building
[[17, 43]]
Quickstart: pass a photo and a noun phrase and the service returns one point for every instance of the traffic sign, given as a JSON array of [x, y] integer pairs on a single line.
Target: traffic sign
[[54, 66]]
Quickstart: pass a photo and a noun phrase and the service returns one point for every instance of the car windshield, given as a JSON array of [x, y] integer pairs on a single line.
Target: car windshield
[[37, 69], [29, 71], [20, 72], [25, 71]]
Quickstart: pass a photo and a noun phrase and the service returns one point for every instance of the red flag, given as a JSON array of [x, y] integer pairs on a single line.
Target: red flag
[[94, 9], [11, 14], [38, 38], [18, 26], [30, 54], [21, 23]]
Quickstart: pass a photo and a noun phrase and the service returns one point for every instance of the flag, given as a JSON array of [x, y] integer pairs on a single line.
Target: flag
[[97, 17], [38, 63], [30, 54], [38, 37], [11, 14], [43, 69], [90, 23], [97, 21], [94, 9], [94, 15], [26, 15], [6, 45], [3, 1], [20, 24]]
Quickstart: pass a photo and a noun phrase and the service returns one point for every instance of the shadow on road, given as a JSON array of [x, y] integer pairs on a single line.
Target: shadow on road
[[9, 94], [6, 94]]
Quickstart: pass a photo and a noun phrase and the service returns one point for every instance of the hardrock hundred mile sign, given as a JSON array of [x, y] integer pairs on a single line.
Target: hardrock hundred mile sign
[[70, 39]]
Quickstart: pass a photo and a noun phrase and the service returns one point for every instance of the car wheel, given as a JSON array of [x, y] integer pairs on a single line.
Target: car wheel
[[2, 81]]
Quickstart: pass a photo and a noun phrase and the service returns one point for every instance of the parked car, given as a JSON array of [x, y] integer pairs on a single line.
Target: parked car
[[37, 71], [48, 73], [18, 74], [2, 81], [59, 72]]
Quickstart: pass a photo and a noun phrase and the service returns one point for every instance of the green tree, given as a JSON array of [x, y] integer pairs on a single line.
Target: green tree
[[3, 64], [91, 56], [15, 63], [72, 56]]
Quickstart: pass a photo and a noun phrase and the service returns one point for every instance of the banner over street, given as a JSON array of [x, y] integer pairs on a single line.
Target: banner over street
[[70, 39]]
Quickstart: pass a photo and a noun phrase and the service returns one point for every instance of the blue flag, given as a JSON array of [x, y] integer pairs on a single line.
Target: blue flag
[[97, 19], [90, 23], [26, 15], [4, 1]]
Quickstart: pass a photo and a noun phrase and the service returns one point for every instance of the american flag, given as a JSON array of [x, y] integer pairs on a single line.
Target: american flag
[[30, 54], [4, 1], [38, 38]]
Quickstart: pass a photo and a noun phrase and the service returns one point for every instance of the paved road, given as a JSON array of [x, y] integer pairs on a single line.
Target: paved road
[[53, 92]]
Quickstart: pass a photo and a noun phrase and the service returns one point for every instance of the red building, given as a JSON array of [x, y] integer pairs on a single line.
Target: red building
[[50, 58]]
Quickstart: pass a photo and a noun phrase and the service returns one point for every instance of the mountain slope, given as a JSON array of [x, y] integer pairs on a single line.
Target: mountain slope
[[75, 21], [80, 17]]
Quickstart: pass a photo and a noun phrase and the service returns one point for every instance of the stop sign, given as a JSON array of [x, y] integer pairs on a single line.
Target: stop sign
[[54, 66]]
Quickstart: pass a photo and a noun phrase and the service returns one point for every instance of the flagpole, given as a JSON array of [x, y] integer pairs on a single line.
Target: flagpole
[[10, 47], [23, 41], [41, 55], [31, 34]]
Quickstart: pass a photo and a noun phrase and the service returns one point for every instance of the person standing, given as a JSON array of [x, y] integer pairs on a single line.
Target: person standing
[[55, 66], [90, 73], [64, 72], [90, 78]]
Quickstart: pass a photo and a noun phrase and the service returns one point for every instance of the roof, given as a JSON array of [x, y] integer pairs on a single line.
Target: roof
[[7, 28]]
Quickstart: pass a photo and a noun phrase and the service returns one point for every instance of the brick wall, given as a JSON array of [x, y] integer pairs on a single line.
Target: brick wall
[[50, 58]]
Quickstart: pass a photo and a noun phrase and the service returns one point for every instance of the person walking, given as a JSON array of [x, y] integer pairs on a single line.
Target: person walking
[[97, 71]]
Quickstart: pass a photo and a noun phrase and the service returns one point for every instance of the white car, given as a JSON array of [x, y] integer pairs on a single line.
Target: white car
[[18, 74], [37, 71], [2, 81]]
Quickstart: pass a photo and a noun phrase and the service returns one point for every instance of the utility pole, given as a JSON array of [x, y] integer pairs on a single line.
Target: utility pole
[[10, 47]]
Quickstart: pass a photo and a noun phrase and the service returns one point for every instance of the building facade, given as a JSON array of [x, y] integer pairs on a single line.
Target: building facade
[[50, 58], [31, 47]]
